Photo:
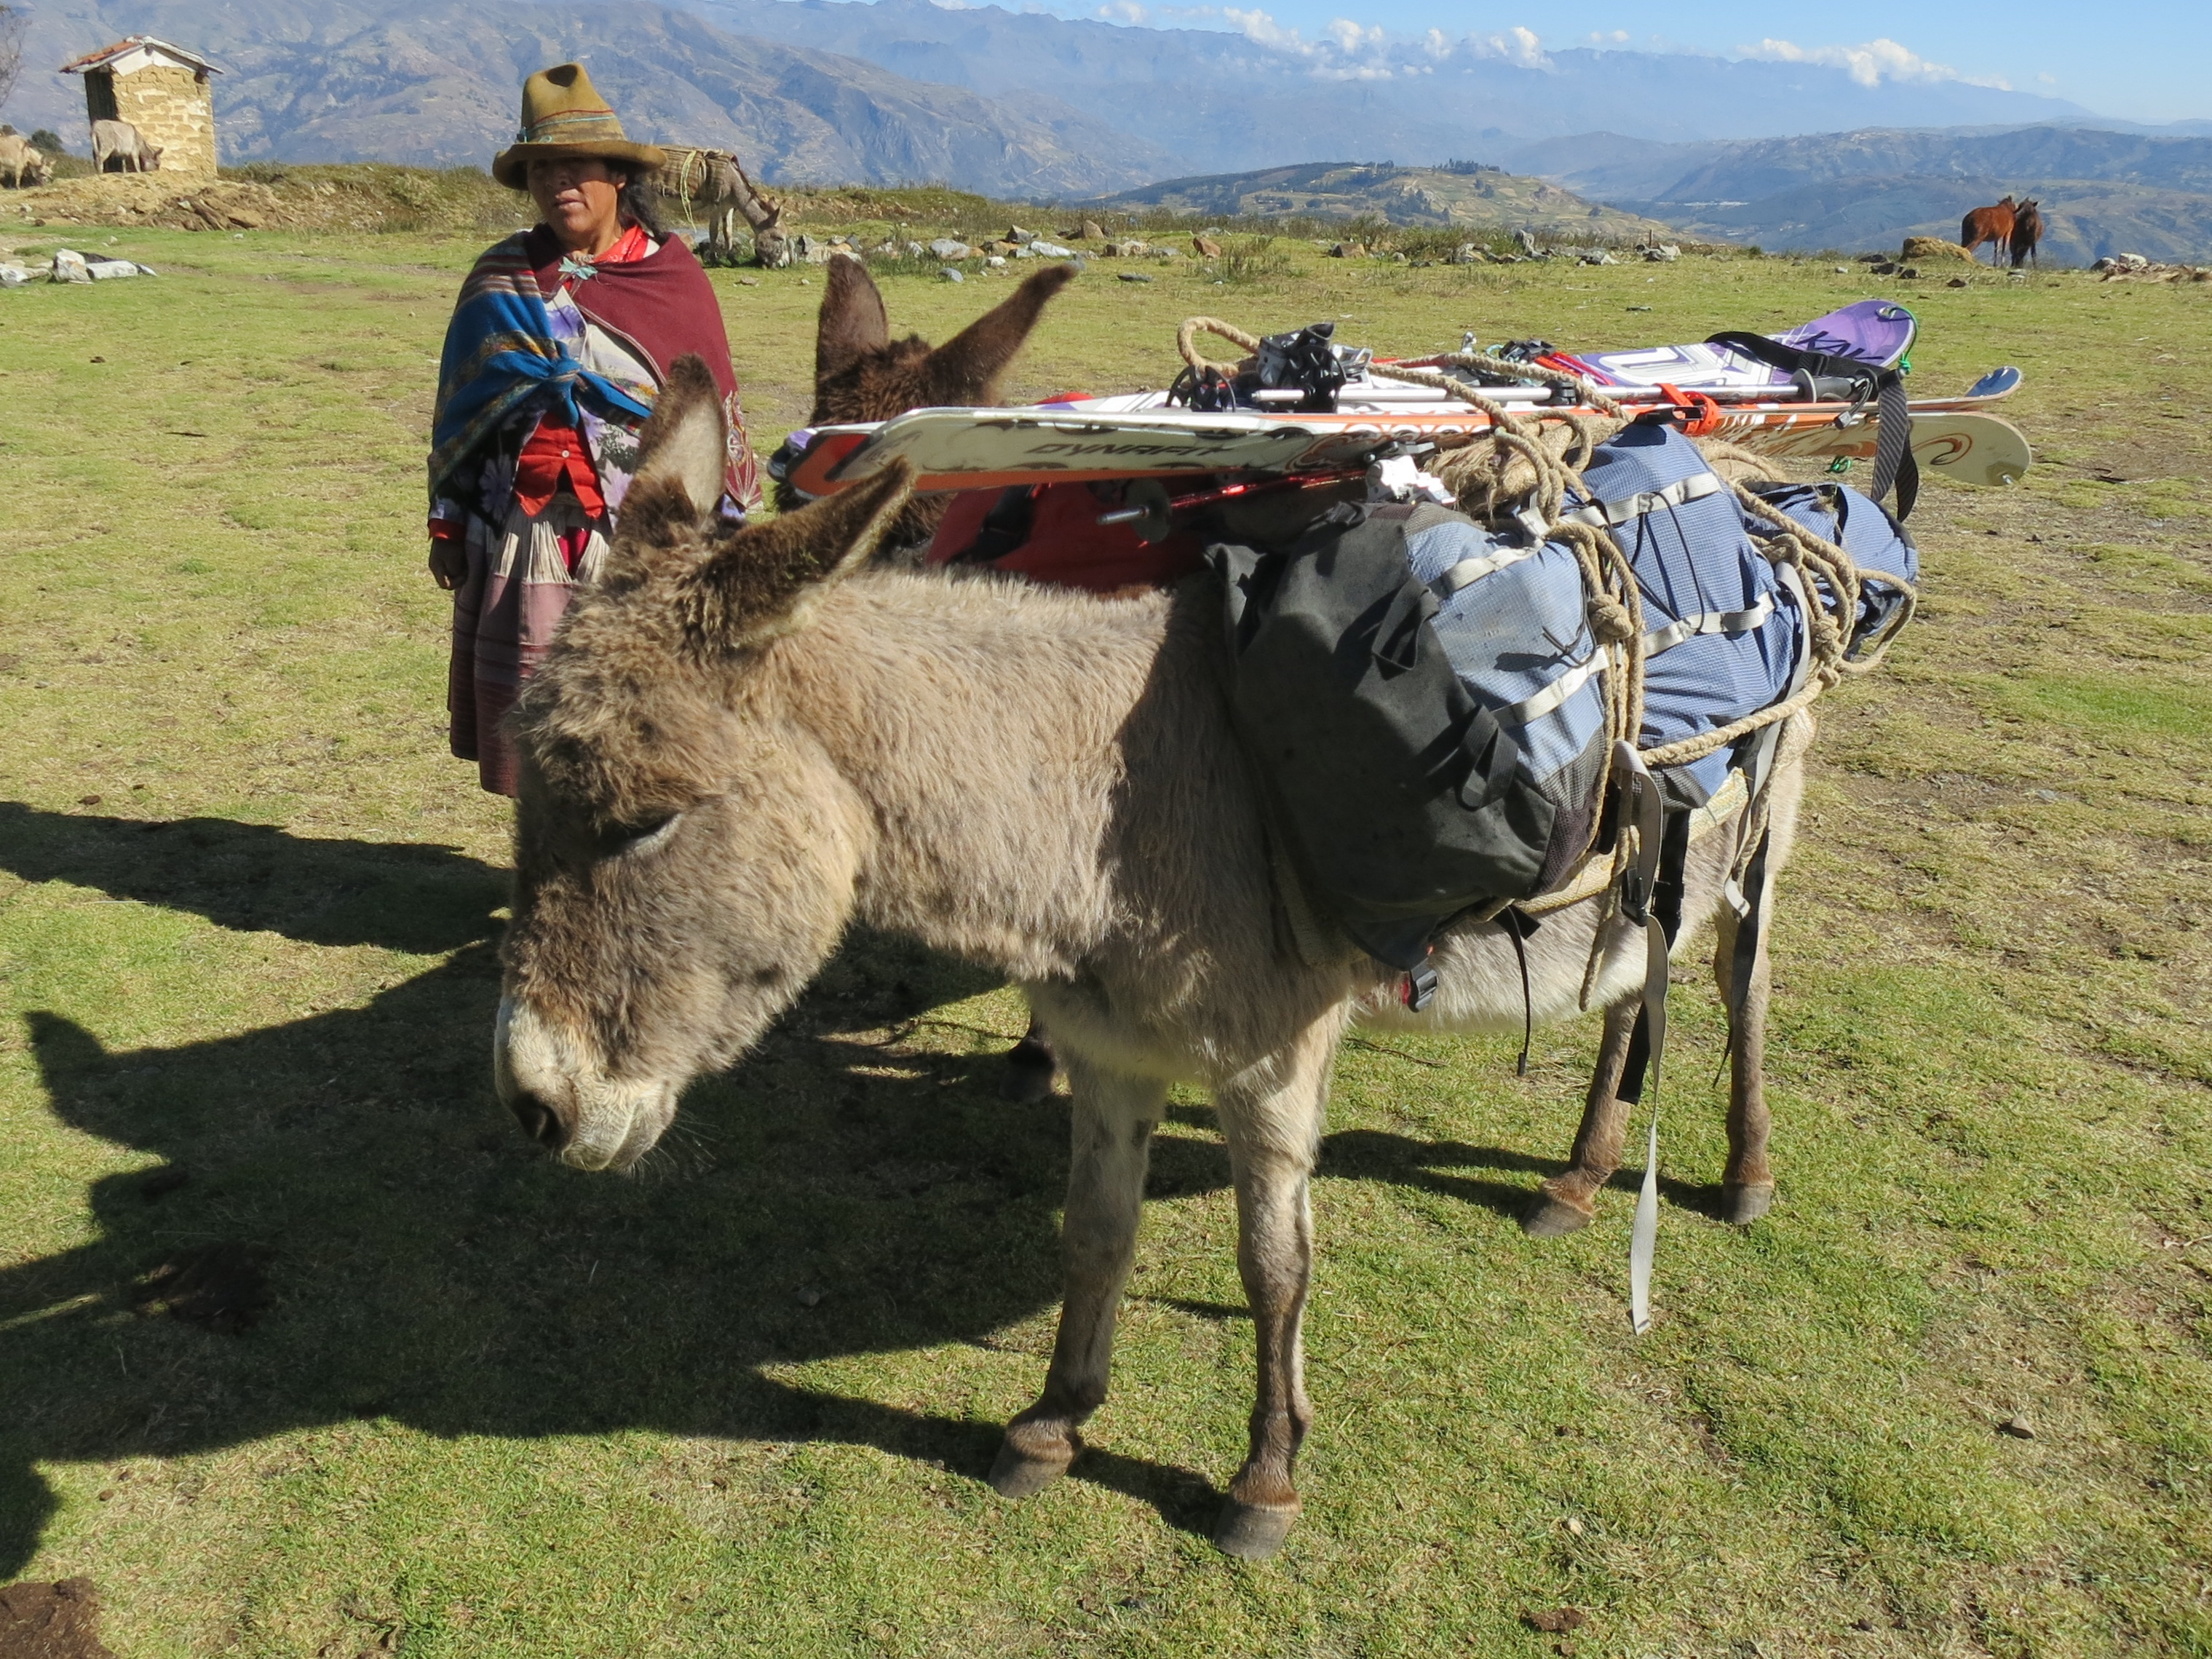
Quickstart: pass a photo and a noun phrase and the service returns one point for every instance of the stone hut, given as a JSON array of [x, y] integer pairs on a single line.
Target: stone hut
[[164, 91]]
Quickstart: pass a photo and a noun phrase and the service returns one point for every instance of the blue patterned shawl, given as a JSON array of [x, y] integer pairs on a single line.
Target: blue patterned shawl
[[500, 354]]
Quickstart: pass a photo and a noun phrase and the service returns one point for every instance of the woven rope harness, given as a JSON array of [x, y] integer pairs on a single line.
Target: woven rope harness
[[1523, 467]]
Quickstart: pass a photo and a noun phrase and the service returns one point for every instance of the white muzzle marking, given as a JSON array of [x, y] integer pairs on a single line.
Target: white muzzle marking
[[615, 1121]]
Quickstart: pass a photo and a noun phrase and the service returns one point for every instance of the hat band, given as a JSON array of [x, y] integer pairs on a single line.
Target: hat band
[[574, 127]]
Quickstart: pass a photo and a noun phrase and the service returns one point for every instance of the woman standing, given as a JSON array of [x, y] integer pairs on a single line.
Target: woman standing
[[560, 339]]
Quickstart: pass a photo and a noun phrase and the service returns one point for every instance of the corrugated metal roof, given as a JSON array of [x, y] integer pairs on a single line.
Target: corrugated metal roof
[[92, 60]]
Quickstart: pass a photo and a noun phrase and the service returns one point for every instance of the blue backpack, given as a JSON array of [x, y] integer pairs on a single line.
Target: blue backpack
[[1424, 700]]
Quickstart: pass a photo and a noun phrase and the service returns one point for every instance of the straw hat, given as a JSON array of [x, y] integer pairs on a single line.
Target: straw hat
[[563, 115]]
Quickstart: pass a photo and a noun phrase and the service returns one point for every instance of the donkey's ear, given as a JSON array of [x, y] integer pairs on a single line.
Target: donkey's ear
[[684, 441], [965, 369], [853, 322], [767, 579]]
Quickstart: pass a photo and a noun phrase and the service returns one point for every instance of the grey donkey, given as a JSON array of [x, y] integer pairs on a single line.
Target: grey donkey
[[746, 739]]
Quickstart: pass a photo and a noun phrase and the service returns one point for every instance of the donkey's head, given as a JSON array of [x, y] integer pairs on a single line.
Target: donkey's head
[[861, 373], [684, 854]]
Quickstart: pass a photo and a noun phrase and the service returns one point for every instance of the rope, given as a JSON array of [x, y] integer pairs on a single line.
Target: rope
[[1520, 469], [1187, 342]]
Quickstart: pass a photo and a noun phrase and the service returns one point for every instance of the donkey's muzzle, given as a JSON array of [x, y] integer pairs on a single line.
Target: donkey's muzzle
[[541, 1120]]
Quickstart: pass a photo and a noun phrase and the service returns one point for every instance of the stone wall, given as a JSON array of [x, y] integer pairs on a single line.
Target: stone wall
[[172, 107]]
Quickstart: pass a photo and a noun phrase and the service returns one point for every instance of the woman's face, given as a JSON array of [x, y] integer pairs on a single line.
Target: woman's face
[[579, 199]]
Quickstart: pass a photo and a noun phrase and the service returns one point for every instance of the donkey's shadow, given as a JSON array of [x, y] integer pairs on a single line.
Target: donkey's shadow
[[420, 1259]]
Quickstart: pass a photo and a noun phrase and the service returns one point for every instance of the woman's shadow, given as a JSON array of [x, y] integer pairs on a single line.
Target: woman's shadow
[[341, 1223]]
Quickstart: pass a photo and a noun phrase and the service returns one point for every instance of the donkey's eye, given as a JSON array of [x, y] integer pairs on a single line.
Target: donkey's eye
[[639, 837]]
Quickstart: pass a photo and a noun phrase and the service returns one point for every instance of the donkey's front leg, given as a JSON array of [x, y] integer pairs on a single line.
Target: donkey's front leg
[[1569, 1199], [1273, 1130], [1114, 1117], [1747, 1184]]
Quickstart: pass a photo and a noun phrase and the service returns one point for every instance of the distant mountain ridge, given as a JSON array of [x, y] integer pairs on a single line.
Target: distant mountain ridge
[[437, 82], [1222, 101], [2102, 192], [1475, 196]]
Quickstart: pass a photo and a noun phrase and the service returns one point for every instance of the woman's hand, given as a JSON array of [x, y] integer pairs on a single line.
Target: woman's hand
[[449, 563]]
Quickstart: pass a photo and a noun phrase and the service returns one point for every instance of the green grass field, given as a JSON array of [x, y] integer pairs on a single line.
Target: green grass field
[[741, 1403]]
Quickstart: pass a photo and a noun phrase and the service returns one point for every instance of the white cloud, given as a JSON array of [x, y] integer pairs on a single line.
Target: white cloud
[[1125, 11], [1599, 37], [1869, 65], [1350, 37], [1516, 45]]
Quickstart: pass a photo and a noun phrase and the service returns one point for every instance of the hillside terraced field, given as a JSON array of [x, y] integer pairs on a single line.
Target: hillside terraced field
[[741, 1403]]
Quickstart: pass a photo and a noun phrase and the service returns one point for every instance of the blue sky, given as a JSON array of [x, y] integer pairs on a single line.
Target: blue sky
[[2142, 60]]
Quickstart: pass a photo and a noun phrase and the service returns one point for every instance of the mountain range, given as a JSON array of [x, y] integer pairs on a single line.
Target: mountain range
[[2101, 192], [437, 83], [1031, 106]]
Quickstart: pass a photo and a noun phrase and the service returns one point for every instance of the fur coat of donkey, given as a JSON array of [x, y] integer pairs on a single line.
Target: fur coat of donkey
[[744, 740]]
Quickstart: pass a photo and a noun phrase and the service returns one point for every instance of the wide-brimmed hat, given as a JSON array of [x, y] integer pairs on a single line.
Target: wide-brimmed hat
[[563, 117]]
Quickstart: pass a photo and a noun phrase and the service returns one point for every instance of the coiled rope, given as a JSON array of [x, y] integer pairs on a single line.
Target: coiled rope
[[1524, 468]]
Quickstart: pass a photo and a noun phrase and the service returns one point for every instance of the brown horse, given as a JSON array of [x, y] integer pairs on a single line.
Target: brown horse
[[1992, 225], [2026, 232]]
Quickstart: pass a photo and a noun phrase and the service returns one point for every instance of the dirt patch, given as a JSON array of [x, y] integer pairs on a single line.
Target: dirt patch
[[51, 1622], [222, 1286], [368, 197]]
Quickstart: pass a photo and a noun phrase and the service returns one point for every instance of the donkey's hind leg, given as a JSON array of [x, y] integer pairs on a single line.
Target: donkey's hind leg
[[1747, 1184], [1272, 1116], [1568, 1201], [1114, 1117]]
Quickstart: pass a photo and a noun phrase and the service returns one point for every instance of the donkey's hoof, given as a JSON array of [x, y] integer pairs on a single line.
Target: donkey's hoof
[[1749, 1201], [1253, 1532], [1552, 1217], [1015, 1474], [1029, 1073]]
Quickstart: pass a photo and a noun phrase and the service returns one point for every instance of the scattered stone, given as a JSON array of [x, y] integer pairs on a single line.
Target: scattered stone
[[2018, 1427], [1842, 271], [748, 282], [1908, 270], [69, 267], [1527, 239], [2123, 267], [1205, 247], [1933, 247], [1017, 235], [997, 248], [951, 276], [1135, 276], [809, 1297], [1639, 308], [1958, 282], [1556, 1621], [994, 262], [947, 247], [1348, 250], [1130, 249], [59, 1620], [13, 276], [1092, 231], [1040, 249], [1884, 268], [1600, 257]]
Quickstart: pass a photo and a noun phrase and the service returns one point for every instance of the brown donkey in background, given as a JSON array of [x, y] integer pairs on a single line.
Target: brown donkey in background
[[742, 741]]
